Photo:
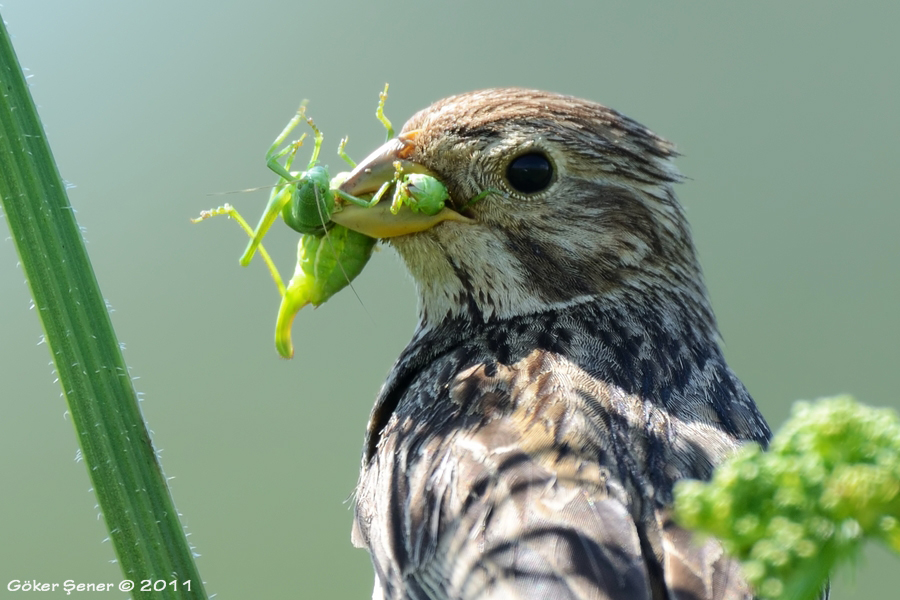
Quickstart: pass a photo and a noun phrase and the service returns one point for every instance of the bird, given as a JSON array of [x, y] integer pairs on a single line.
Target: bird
[[565, 372]]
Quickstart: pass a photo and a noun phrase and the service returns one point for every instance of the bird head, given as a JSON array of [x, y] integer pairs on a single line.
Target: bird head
[[576, 205]]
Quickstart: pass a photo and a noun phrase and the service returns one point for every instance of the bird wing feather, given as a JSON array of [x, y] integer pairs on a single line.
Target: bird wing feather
[[526, 481]]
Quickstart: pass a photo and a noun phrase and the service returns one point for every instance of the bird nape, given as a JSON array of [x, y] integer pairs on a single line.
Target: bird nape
[[565, 371]]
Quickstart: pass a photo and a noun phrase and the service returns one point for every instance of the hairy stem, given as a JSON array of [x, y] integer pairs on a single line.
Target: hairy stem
[[131, 489]]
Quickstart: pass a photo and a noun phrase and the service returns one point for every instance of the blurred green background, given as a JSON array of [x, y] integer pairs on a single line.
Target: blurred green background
[[786, 115]]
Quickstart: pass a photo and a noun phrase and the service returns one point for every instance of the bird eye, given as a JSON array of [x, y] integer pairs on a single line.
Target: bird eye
[[529, 173]]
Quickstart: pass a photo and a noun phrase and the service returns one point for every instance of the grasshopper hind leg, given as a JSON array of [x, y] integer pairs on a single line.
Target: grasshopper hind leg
[[232, 212]]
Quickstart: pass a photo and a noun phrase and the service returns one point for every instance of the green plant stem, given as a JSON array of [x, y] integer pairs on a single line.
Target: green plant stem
[[143, 523]]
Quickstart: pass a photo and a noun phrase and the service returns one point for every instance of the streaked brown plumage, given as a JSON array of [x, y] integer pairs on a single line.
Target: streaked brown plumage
[[565, 372]]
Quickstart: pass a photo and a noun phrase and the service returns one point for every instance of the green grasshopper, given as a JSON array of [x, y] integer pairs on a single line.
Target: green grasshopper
[[329, 256], [306, 200], [422, 193]]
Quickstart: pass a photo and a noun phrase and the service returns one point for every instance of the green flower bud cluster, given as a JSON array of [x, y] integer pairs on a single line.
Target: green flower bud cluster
[[829, 481]]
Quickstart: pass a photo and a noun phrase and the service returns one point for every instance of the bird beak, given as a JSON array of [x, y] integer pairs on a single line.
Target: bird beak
[[373, 172]]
